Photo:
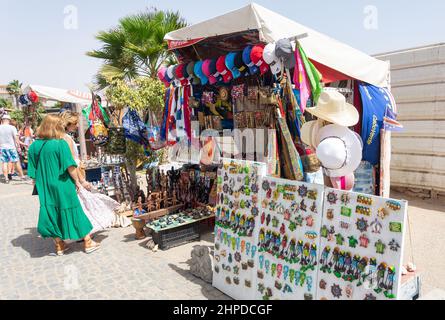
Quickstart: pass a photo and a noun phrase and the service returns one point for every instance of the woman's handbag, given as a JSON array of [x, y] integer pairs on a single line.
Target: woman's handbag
[[34, 190]]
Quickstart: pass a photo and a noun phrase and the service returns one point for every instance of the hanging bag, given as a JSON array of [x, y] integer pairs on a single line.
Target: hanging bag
[[98, 130]]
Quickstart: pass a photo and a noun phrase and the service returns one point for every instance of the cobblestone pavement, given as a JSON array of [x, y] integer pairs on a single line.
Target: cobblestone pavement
[[122, 269]]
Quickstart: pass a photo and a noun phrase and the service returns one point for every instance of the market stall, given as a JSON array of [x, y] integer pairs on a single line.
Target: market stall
[[311, 217]]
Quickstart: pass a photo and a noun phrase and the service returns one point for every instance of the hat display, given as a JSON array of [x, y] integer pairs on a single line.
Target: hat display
[[332, 107], [271, 59], [239, 63], [248, 60], [207, 72], [230, 64], [339, 150], [197, 70], [284, 52], [256, 56], [161, 75], [179, 73], [223, 70], [214, 71], [309, 133]]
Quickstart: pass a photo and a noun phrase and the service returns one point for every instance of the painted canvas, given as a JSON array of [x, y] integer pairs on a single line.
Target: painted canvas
[[288, 238], [361, 247]]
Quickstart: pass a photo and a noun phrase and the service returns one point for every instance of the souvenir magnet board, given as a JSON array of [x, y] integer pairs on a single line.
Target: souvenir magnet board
[[288, 239], [235, 246], [361, 247]]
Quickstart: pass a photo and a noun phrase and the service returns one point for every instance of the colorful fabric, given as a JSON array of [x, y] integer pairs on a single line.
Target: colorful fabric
[[135, 128], [9, 155], [301, 81], [313, 75]]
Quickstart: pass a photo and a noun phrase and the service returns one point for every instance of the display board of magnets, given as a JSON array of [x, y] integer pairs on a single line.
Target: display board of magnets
[[237, 209], [360, 253], [288, 238]]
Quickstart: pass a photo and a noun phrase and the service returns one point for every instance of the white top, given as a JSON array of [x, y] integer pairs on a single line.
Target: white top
[[74, 146], [8, 135]]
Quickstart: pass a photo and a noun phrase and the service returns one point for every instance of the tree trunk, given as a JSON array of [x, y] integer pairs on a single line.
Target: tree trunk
[[16, 100], [133, 176]]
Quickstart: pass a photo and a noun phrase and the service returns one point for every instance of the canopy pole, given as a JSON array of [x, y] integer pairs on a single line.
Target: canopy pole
[[81, 133]]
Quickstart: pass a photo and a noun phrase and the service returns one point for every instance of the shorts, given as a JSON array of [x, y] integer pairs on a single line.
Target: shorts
[[9, 155]]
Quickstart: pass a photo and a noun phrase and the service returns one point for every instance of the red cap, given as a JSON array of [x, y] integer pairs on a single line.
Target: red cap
[[223, 70], [256, 55], [180, 74]]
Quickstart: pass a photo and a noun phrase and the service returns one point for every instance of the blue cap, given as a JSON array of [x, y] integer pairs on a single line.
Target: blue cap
[[230, 64], [197, 69], [246, 59]]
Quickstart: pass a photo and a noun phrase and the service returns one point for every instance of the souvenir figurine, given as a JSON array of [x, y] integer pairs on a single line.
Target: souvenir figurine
[[394, 246], [345, 199], [349, 291], [393, 205], [324, 231], [376, 226], [254, 249], [380, 247], [325, 258], [382, 213], [364, 200], [283, 229], [390, 283], [286, 272], [291, 275], [302, 191], [267, 266], [261, 260], [314, 207], [352, 242], [322, 284], [303, 206], [363, 210], [273, 269], [364, 241], [362, 225], [313, 254], [309, 221], [309, 283], [312, 194], [330, 214], [332, 198]]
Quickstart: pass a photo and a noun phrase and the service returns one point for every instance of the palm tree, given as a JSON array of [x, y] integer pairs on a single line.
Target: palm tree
[[14, 88], [4, 103], [136, 46]]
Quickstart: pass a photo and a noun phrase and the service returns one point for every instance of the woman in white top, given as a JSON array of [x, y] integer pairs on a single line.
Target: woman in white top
[[98, 207]]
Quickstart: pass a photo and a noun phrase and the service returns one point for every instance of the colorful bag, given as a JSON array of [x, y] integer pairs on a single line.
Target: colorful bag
[[134, 128]]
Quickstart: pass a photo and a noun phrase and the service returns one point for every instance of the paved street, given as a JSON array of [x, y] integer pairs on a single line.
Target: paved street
[[125, 269], [122, 269]]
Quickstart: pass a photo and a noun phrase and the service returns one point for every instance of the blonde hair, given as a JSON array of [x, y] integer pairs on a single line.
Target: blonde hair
[[52, 127], [69, 118]]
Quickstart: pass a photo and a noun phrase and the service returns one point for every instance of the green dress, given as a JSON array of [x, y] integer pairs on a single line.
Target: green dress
[[61, 214]]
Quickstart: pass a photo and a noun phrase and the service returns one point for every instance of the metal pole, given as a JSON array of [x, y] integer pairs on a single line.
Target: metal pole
[[81, 133]]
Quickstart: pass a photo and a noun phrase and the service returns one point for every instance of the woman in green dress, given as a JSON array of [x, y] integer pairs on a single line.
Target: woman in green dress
[[53, 168]]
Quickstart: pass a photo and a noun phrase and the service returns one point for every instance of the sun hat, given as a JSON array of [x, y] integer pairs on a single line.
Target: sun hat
[[179, 72], [271, 59], [162, 75], [197, 70], [239, 63], [191, 77], [206, 71], [214, 72], [230, 64], [339, 150], [248, 61], [6, 117], [309, 133], [284, 52], [223, 70], [332, 107], [256, 55], [343, 183]]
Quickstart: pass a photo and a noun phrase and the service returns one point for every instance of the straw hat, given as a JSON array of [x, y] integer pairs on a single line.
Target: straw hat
[[332, 107], [339, 150], [309, 133]]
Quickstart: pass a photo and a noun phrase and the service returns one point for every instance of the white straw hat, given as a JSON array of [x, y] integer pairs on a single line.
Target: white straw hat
[[339, 150], [332, 107]]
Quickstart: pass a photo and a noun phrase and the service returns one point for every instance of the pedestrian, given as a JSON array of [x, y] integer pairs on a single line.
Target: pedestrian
[[98, 207], [9, 144], [53, 168]]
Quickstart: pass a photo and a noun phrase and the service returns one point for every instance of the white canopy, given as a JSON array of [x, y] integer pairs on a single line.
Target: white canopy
[[62, 95], [273, 27]]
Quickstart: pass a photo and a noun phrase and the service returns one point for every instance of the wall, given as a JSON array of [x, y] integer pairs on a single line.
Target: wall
[[418, 85]]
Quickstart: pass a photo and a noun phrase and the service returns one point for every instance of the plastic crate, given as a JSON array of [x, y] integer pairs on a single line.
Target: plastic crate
[[170, 238]]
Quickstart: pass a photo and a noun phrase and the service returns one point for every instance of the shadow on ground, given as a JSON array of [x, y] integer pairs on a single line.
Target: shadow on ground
[[38, 247]]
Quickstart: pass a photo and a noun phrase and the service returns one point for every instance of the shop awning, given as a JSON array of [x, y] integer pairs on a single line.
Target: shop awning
[[270, 27], [62, 95]]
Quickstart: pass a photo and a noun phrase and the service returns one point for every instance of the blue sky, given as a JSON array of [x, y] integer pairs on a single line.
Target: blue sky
[[36, 48]]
